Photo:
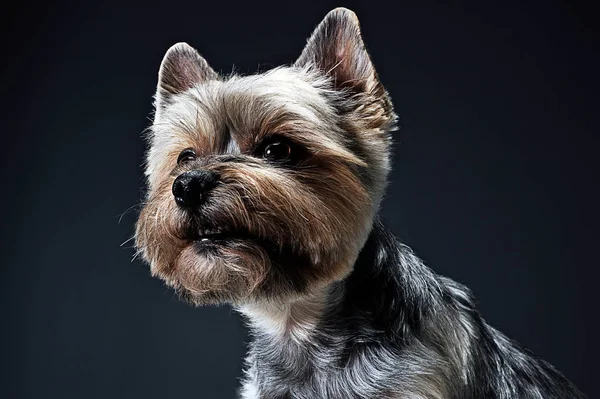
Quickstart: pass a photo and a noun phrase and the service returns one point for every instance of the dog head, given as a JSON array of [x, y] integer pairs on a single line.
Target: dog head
[[265, 186]]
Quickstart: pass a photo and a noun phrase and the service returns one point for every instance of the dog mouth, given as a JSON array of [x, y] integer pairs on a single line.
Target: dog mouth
[[205, 235]]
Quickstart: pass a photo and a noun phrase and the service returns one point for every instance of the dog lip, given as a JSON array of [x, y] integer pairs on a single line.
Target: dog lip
[[209, 236], [210, 232], [218, 234]]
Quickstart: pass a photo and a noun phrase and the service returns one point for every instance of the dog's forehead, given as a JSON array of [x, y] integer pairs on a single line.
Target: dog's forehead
[[244, 106], [287, 85]]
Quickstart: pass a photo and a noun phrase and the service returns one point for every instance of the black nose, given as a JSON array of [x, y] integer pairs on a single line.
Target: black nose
[[190, 188]]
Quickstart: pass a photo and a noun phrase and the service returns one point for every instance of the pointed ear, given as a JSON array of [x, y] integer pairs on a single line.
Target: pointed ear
[[181, 69], [337, 49]]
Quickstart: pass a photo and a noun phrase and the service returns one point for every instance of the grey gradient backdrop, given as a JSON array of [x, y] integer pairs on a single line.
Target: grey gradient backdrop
[[494, 182]]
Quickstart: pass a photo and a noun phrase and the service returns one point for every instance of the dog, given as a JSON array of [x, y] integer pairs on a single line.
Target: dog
[[263, 193]]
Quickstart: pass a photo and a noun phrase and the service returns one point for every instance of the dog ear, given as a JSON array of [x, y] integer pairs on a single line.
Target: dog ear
[[181, 69], [336, 48]]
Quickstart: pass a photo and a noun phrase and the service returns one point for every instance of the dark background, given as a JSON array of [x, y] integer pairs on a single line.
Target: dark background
[[494, 180]]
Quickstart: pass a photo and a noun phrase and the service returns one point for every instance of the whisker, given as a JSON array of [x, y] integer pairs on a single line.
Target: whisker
[[132, 207], [126, 241]]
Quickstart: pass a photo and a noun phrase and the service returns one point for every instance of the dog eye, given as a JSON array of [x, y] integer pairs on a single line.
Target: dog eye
[[277, 151], [186, 155]]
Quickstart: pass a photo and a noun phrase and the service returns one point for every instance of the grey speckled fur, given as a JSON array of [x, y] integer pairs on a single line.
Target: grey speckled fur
[[394, 329]]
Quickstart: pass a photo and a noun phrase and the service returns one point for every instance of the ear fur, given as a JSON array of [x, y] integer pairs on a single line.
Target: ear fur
[[181, 69], [336, 48]]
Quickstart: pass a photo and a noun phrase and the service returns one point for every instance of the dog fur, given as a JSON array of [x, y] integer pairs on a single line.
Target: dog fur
[[338, 308]]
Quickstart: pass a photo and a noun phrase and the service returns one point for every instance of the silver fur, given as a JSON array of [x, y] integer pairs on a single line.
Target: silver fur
[[394, 329]]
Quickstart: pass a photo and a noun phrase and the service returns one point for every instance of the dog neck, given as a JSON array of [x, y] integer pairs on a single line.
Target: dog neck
[[294, 320], [354, 327], [378, 292]]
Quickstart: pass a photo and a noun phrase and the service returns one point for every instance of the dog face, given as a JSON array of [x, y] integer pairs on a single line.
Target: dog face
[[264, 187]]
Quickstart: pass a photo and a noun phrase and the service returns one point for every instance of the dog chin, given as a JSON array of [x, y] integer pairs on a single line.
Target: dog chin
[[216, 268]]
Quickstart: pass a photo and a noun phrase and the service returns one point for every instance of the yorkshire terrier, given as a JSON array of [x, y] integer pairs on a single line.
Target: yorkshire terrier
[[263, 193]]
